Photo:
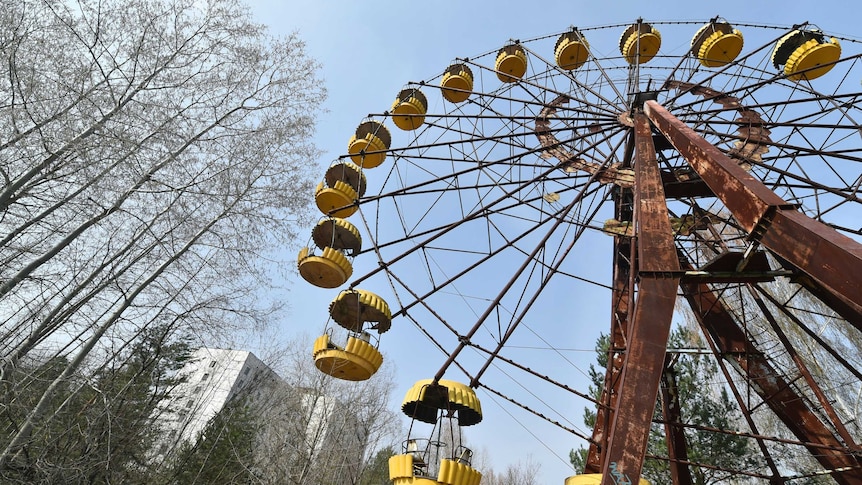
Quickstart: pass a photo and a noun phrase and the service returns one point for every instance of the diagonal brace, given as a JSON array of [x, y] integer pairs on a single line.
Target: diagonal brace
[[830, 258], [650, 327]]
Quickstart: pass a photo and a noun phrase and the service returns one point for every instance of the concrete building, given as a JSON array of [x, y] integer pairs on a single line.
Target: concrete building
[[301, 425], [212, 378]]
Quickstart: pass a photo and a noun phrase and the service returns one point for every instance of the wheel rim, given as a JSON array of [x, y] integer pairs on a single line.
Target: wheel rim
[[476, 222]]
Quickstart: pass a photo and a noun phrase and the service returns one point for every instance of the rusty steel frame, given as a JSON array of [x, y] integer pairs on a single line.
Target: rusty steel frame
[[620, 307], [621, 304], [828, 260], [677, 449], [833, 261], [791, 408], [659, 276], [807, 246]]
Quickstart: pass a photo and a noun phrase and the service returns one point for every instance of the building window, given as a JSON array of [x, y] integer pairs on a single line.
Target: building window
[[205, 377], [212, 364], [246, 370]]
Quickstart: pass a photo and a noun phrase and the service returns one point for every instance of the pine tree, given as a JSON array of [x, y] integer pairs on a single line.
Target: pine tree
[[224, 453], [377, 470], [702, 406], [106, 435]]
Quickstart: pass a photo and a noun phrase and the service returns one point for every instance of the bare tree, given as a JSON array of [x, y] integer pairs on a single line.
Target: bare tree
[[326, 430], [809, 346], [151, 152], [308, 429], [521, 473]]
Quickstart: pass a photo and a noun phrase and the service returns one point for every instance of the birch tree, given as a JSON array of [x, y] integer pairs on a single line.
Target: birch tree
[[305, 429], [152, 152]]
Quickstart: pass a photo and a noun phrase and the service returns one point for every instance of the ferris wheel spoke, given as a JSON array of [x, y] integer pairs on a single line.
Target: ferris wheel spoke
[[725, 334], [585, 92], [479, 214], [550, 217], [437, 233], [511, 190], [552, 270]]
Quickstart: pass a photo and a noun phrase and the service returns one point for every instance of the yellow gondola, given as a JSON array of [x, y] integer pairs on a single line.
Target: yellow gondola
[[511, 63], [409, 108], [367, 147], [337, 239], [426, 461], [423, 401], [342, 185], [407, 469], [571, 51], [357, 361], [330, 269], [360, 312], [352, 309], [806, 54], [594, 479], [337, 233], [639, 43], [716, 44], [457, 83]]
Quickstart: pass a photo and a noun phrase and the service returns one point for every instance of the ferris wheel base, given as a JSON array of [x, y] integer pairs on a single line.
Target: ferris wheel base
[[593, 479]]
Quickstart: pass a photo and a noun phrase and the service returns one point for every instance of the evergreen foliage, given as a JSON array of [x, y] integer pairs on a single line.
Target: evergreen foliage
[[704, 404]]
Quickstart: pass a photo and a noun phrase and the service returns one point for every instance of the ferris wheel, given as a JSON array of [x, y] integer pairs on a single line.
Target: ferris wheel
[[595, 179]]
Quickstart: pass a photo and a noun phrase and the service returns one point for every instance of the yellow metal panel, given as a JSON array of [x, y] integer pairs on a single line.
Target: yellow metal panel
[[338, 234], [639, 43], [348, 173], [720, 49], [642, 48], [341, 197], [330, 270], [571, 51], [810, 55], [593, 479], [409, 109], [400, 466], [457, 87], [460, 397], [511, 63], [352, 308], [370, 136], [321, 343], [455, 473], [370, 143], [344, 365]]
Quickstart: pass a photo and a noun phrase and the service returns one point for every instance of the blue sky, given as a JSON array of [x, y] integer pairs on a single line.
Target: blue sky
[[370, 49]]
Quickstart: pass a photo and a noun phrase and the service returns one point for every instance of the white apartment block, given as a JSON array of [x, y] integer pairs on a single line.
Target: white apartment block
[[299, 421], [212, 378]]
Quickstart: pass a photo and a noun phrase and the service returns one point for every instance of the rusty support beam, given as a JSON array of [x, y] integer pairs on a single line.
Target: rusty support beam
[[791, 408], [642, 370], [621, 305], [745, 196], [677, 448], [658, 270], [828, 257], [616, 345], [833, 260]]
